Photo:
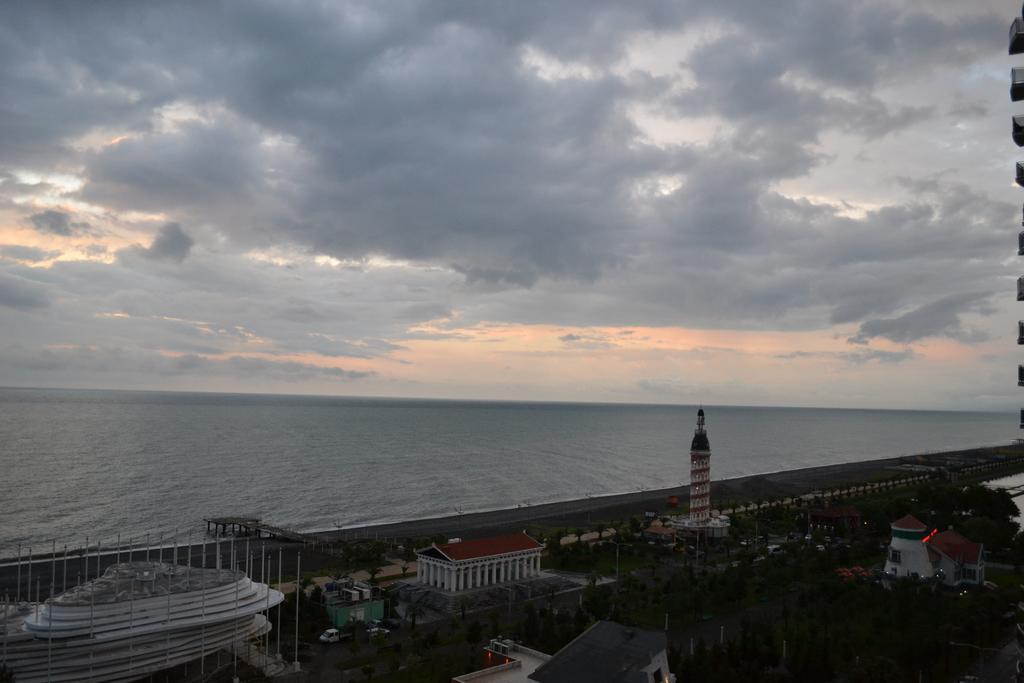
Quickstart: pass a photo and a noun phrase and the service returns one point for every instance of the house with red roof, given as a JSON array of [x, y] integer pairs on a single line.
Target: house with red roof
[[465, 565], [960, 560], [916, 552]]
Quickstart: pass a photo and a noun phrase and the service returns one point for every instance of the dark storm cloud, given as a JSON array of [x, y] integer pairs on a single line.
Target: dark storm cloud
[[421, 133], [22, 294], [856, 357], [57, 223], [170, 244], [92, 360], [20, 252], [940, 318], [53, 222]]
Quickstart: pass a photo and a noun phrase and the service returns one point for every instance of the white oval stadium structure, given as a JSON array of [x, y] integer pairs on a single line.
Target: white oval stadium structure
[[135, 619]]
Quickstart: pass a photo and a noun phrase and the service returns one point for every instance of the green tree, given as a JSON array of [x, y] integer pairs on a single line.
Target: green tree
[[474, 632], [413, 611], [531, 624]]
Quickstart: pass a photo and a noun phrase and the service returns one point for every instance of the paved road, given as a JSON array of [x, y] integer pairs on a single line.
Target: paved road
[[999, 667]]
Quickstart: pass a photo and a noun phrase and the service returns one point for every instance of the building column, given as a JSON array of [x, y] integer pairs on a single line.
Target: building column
[[459, 578], [449, 578]]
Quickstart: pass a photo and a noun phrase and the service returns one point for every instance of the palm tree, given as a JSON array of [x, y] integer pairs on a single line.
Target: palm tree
[[412, 611]]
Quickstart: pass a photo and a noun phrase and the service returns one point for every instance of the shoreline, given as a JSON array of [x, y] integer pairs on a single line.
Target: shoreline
[[360, 527], [610, 507], [570, 514]]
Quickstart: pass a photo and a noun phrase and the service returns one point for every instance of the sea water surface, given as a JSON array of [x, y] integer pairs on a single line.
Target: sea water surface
[[76, 462]]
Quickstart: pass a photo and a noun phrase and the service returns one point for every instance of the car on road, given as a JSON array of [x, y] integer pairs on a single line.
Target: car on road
[[333, 635], [378, 631]]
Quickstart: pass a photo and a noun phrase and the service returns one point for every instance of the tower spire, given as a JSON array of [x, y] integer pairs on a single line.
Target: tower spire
[[700, 472]]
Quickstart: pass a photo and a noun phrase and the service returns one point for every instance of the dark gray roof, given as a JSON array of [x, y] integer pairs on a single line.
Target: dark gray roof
[[605, 653]]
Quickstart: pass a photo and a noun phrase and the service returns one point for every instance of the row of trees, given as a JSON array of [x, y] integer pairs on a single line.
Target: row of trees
[[855, 632]]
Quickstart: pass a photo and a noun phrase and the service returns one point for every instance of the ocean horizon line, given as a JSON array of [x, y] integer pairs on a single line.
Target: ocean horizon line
[[495, 401]]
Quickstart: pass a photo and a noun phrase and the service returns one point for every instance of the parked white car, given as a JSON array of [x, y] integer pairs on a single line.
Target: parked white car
[[331, 635]]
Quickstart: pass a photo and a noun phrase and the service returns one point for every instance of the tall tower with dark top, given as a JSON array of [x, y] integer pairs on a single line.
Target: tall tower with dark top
[[1017, 133], [700, 472]]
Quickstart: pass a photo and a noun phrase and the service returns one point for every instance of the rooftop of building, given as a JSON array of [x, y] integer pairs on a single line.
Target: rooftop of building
[[139, 580], [482, 547], [524, 662], [956, 547], [909, 523], [607, 652]]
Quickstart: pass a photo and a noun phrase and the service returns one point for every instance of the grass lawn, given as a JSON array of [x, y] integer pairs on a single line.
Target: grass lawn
[[1004, 577], [602, 564]]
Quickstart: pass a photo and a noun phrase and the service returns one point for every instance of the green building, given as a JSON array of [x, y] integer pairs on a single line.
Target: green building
[[358, 611]]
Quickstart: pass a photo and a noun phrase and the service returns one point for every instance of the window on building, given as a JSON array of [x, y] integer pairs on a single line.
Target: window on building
[[894, 556], [969, 574]]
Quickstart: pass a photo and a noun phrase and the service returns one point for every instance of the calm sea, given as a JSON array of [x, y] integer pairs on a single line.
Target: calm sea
[[100, 462]]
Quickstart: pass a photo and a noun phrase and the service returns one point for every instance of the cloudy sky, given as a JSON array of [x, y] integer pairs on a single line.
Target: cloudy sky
[[803, 202]]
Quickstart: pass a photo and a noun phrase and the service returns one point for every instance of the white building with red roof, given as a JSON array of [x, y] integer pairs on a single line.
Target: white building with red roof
[[914, 552], [464, 565], [960, 560]]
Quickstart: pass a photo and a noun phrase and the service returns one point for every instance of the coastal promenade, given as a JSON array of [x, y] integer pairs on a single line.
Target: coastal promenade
[[726, 493], [974, 464]]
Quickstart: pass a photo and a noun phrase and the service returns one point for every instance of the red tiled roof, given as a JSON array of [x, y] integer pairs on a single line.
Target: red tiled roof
[[956, 547], [485, 547], [909, 523]]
